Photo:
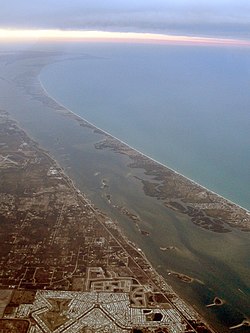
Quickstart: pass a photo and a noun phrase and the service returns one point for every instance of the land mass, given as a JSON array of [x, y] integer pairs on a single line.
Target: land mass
[[65, 266]]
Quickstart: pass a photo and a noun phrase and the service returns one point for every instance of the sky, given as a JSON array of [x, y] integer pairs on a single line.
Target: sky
[[209, 18]]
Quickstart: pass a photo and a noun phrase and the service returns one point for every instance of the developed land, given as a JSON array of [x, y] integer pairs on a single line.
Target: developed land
[[65, 266]]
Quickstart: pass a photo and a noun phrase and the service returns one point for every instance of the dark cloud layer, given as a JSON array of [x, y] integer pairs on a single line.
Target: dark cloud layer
[[226, 18]]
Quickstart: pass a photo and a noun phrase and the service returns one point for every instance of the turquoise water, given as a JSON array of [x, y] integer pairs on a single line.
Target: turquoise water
[[187, 107]]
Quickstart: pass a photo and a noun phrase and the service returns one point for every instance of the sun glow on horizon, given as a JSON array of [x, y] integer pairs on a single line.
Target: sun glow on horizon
[[10, 35]]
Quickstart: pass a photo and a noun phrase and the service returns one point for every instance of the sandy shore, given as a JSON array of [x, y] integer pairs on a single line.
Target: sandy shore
[[134, 149], [229, 212]]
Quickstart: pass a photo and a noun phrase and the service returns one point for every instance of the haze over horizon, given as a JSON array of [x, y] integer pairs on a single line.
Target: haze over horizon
[[220, 19], [124, 166]]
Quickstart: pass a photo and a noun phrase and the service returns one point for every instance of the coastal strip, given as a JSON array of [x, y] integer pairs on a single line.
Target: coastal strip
[[206, 208], [106, 133]]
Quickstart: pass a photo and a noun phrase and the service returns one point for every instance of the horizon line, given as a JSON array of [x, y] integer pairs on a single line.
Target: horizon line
[[8, 35]]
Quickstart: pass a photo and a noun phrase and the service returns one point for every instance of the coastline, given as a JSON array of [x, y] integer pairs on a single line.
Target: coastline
[[107, 227], [136, 150], [69, 113], [94, 127]]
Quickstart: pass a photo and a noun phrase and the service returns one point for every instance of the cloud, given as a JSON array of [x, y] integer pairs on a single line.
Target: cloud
[[224, 18], [138, 37]]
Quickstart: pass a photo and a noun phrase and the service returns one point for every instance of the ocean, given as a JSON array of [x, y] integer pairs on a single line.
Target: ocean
[[187, 107]]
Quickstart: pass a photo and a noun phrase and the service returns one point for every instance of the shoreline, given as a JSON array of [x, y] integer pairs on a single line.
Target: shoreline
[[134, 149], [140, 267], [183, 308]]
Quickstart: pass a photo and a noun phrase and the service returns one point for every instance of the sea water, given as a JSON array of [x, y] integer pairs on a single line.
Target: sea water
[[187, 107]]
